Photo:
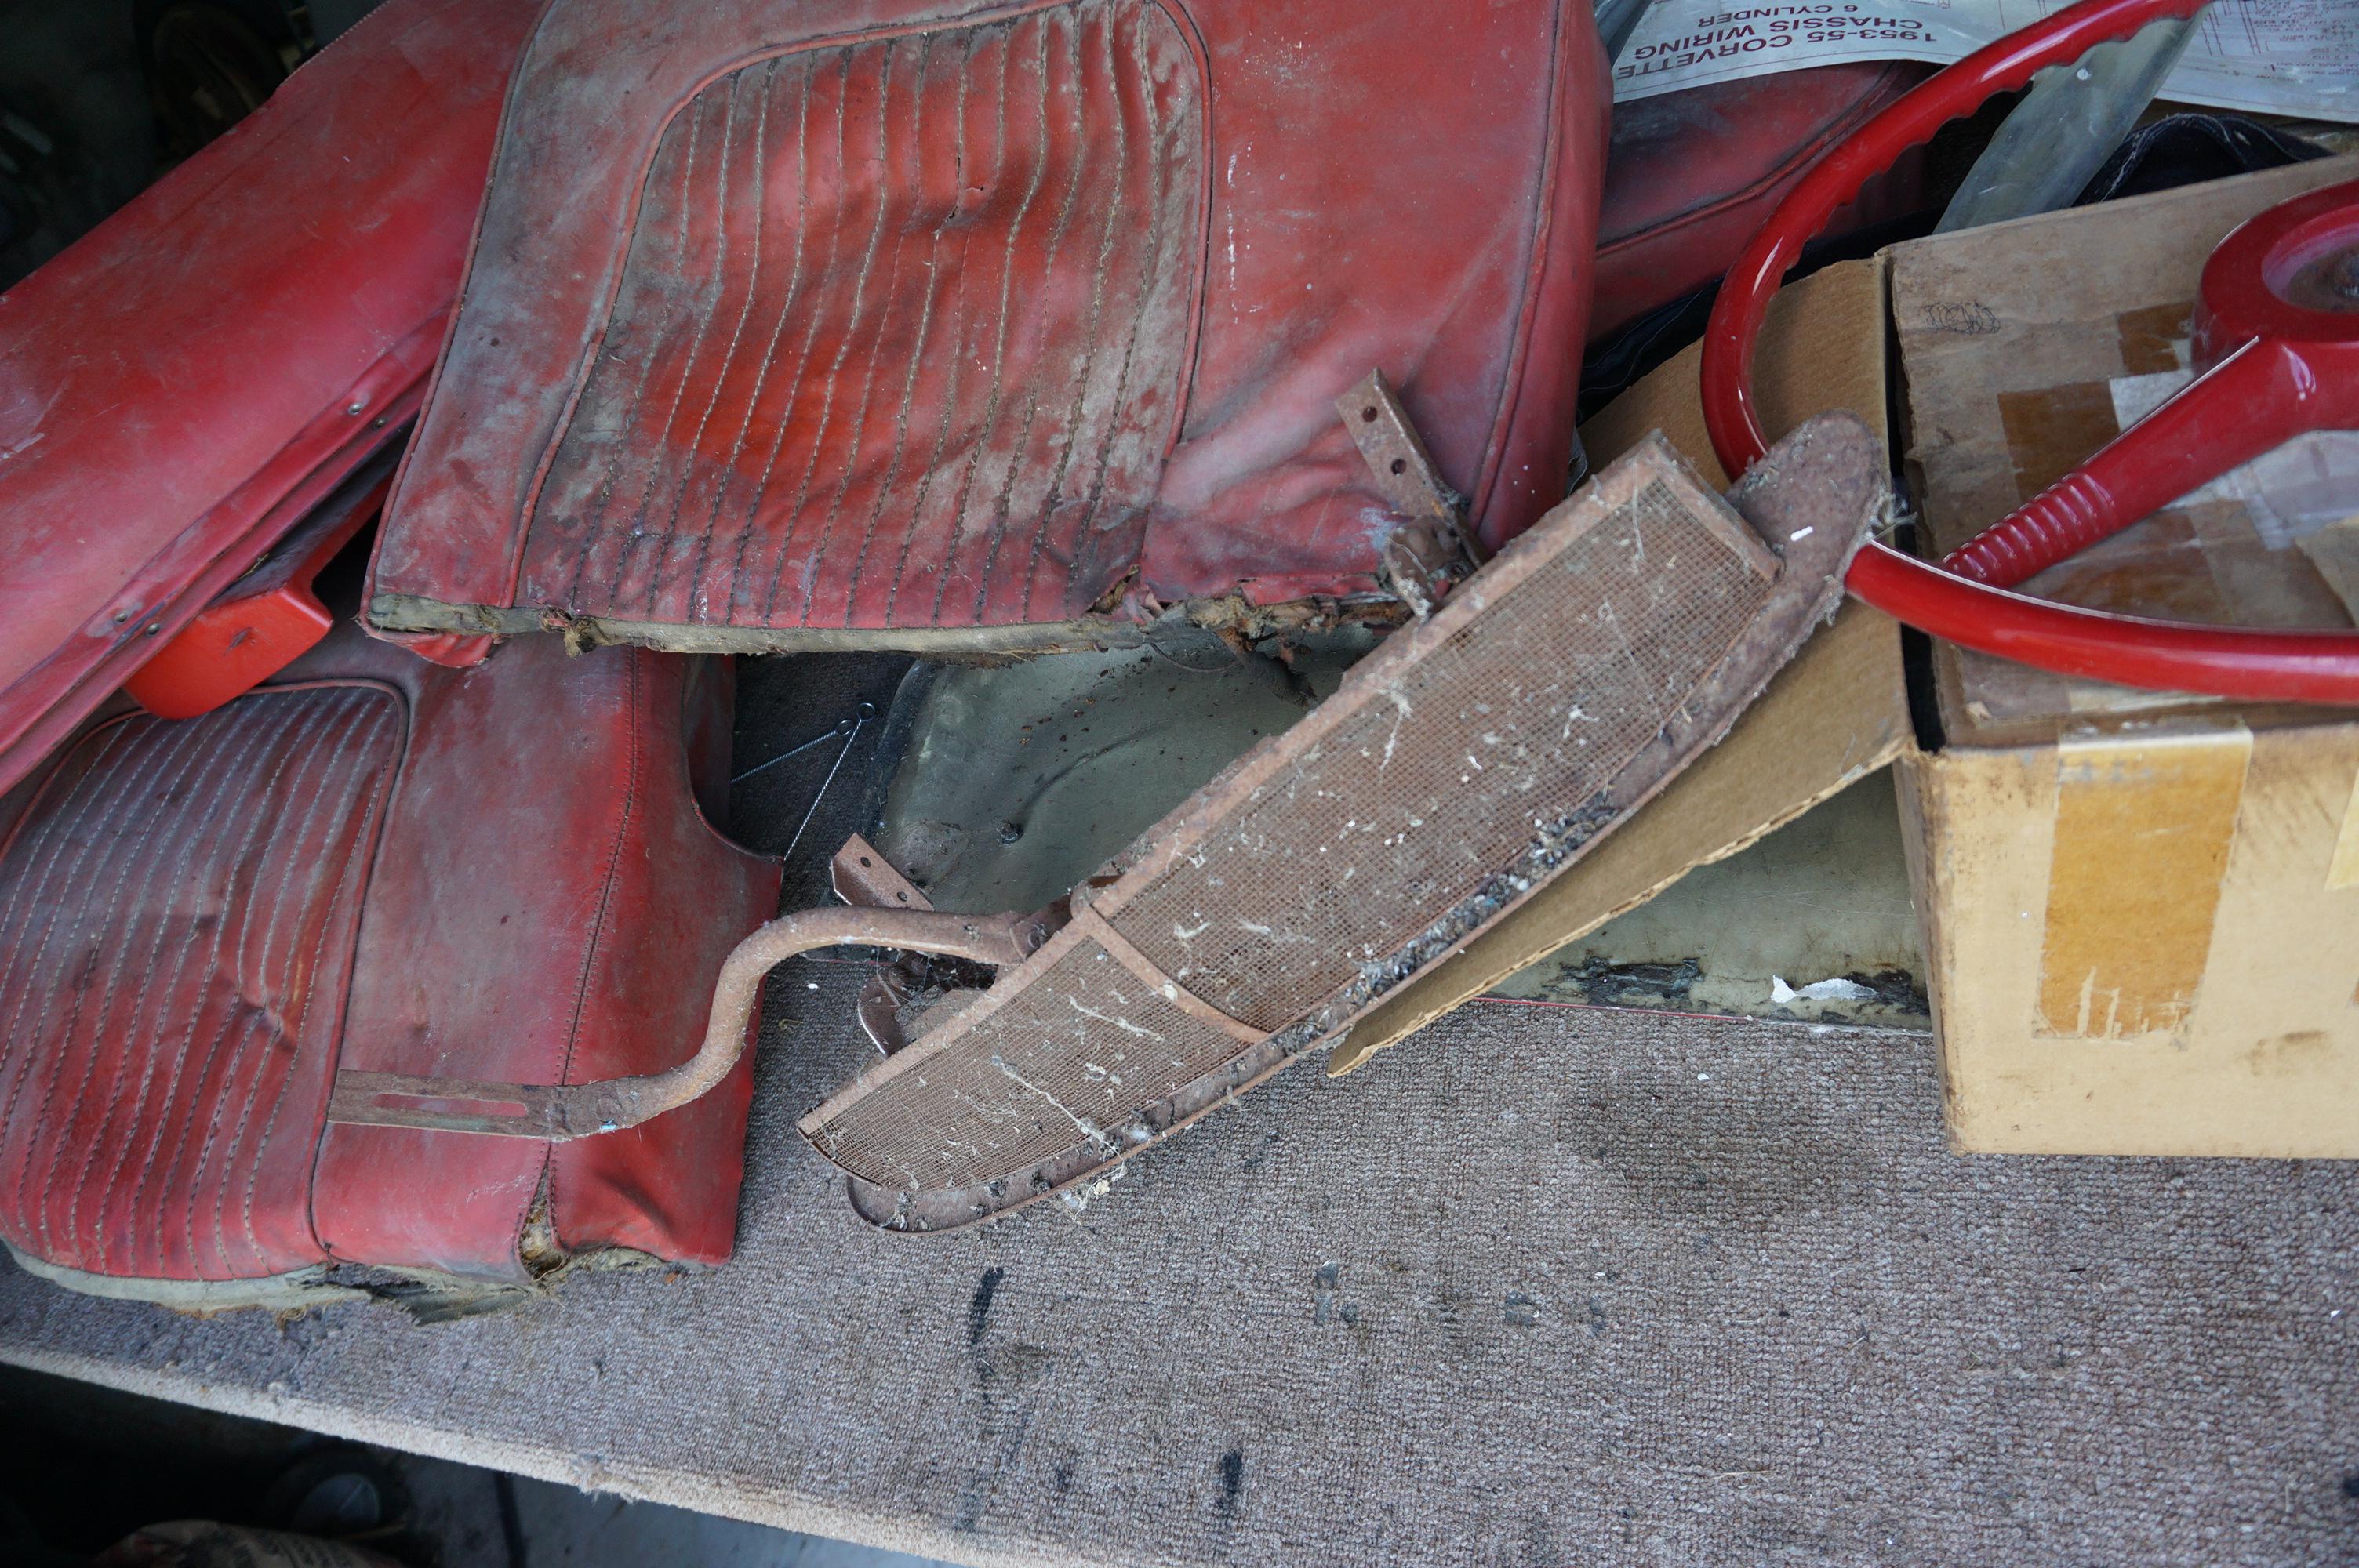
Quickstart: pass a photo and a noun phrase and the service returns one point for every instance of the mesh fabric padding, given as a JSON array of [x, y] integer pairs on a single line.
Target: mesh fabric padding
[[1511, 726], [1068, 1057], [179, 905], [1441, 770]]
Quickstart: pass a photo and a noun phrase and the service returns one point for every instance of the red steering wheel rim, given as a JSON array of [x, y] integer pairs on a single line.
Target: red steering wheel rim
[[2319, 667]]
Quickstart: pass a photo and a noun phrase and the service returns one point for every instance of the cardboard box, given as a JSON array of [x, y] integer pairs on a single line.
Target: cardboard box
[[2140, 909]]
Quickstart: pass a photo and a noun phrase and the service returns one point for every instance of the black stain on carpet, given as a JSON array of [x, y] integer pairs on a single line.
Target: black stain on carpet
[[1325, 1306], [1232, 1468], [978, 1311]]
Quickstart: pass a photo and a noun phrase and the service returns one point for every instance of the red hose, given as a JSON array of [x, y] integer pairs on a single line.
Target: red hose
[[2303, 666]]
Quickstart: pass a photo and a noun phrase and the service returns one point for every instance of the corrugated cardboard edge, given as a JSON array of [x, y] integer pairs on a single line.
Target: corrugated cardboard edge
[[1837, 713]]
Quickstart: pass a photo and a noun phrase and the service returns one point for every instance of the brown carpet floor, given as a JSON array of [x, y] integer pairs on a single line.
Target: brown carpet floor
[[1540, 1287]]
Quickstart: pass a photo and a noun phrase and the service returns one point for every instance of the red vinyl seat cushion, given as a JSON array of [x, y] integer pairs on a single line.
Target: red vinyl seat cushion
[[191, 379], [380, 864], [790, 319], [1695, 174]]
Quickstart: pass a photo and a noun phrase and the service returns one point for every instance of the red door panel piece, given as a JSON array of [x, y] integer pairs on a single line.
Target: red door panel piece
[[191, 379], [266, 619], [943, 324], [1694, 175], [371, 861]]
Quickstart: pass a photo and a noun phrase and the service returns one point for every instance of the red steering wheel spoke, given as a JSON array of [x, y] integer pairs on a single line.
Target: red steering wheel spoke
[[2278, 340]]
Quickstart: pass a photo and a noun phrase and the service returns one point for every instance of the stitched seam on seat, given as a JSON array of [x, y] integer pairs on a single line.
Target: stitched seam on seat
[[353, 725], [604, 314], [1152, 272], [182, 747], [1019, 449], [700, 602], [737, 336], [810, 334], [232, 770], [850, 465], [594, 526], [917, 353], [50, 827], [396, 774], [852, 325], [256, 824], [234, 907], [345, 895], [1541, 228], [638, 752], [1098, 273], [231, 1065], [705, 315], [949, 399]]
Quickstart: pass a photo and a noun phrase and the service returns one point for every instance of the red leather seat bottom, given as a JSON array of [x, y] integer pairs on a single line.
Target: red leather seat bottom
[[178, 907], [382, 864]]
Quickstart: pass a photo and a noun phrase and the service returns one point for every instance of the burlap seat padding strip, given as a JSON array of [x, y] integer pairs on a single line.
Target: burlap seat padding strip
[[1457, 769]]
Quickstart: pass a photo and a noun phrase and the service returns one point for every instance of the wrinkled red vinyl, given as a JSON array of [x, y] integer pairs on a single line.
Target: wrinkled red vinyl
[[372, 862], [795, 317], [1695, 174], [186, 382]]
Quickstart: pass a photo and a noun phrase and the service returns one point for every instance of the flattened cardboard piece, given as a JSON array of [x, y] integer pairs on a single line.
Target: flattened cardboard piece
[[1837, 713], [2259, 1056], [2025, 347]]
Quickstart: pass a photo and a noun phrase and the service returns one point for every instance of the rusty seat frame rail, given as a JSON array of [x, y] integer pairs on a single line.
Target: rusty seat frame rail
[[561, 1111]]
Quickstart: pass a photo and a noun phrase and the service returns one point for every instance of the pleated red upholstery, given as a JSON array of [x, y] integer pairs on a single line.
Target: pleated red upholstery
[[930, 319], [975, 398], [383, 864], [179, 909]]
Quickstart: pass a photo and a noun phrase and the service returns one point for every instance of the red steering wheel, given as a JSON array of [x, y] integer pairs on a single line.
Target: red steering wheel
[[2278, 341]]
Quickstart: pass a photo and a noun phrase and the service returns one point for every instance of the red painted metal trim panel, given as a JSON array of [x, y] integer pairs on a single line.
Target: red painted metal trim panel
[[183, 385]]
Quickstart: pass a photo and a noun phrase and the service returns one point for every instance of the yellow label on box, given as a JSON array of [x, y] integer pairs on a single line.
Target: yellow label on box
[[2144, 824]]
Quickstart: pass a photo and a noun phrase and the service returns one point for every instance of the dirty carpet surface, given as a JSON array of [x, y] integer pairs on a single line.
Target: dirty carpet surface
[[1540, 1286]]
